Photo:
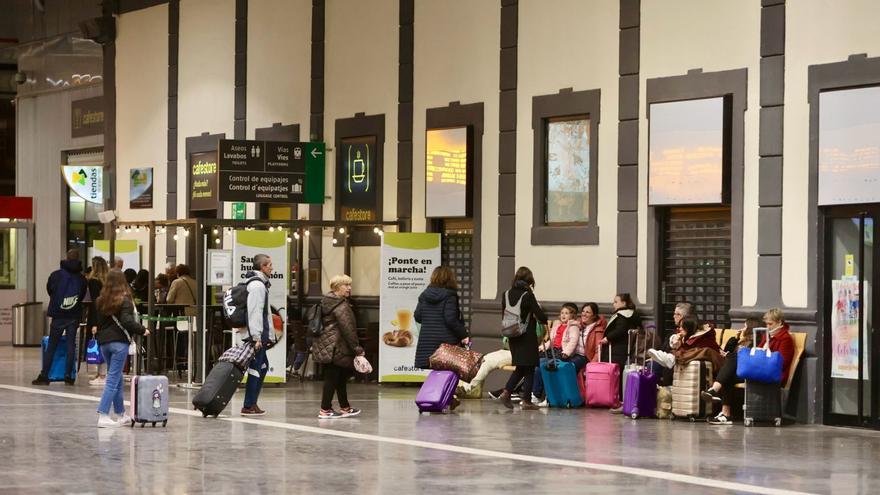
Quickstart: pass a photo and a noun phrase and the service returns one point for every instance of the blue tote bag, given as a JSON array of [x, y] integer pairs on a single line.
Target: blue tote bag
[[759, 365], [93, 353]]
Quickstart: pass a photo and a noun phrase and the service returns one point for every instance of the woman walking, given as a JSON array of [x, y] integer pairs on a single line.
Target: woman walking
[[116, 324], [336, 348], [523, 349]]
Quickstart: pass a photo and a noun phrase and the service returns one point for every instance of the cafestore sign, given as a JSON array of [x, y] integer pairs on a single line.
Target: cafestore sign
[[86, 181]]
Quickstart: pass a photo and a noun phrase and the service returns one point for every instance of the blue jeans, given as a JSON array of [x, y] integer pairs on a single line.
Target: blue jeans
[[256, 374], [58, 327], [115, 354], [579, 363]]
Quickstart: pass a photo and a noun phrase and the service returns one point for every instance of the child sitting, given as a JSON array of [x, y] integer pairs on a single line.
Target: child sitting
[[563, 344], [690, 336]]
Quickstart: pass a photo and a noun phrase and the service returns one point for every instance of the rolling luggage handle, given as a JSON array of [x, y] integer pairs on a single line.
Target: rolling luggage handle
[[630, 333]]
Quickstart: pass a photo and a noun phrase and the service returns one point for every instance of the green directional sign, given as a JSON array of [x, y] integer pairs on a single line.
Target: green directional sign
[[316, 158]]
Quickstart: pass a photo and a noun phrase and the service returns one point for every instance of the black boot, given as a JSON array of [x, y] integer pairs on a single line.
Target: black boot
[[41, 380], [505, 399]]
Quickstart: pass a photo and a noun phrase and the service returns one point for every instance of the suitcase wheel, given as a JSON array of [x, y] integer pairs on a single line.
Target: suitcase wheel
[[164, 423], [131, 424], [634, 415], [777, 422], [144, 424], [154, 424], [204, 414], [747, 421], [693, 419]]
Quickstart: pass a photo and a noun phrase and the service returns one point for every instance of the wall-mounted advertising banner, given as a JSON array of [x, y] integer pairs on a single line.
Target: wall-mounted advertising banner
[[408, 259], [86, 181], [689, 152], [127, 249], [247, 244], [356, 174], [271, 171], [87, 117], [446, 173], [203, 181], [845, 328], [140, 190]]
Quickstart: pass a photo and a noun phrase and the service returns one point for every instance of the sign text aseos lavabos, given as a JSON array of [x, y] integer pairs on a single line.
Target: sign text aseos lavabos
[[271, 171]]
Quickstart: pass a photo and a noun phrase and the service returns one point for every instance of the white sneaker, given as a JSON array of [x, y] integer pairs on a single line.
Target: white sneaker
[[98, 380], [543, 403], [667, 360], [535, 399], [124, 420], [105, 421]]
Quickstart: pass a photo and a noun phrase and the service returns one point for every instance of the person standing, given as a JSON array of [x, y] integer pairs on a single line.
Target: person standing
[[183, 290], [336, 348], [116, 324], [96, 280], [523, 349], [67, 288], [439, 314], [258, 329]]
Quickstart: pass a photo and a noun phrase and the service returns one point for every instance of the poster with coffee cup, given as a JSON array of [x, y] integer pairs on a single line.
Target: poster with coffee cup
[[408, 259]]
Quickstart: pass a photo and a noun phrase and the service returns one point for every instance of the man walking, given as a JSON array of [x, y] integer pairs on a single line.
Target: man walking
[[66, 288], [258, 331]]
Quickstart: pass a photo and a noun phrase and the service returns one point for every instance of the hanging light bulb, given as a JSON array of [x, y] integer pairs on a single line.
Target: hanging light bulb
[[375, 230], [296, 235], [137, 228], [307, 232], [217, 241], [185, 232], [289, 239], [127, 229], [341, 230], [334, 241], [216, 231], [176, 237], [381, 233], [117, 230], [271, 229]]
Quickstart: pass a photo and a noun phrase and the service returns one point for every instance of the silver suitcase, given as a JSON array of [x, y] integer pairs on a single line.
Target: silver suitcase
[[149, 400]]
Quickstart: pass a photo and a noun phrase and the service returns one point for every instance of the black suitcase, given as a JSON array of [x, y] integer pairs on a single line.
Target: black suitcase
[[218, 389], [763, 402]]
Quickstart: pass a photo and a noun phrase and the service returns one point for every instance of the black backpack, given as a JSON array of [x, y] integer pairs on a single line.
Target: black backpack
[[315, 318], [235, 303]]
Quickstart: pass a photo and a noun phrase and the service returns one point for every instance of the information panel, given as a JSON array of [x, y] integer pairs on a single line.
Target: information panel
[[271, 171]]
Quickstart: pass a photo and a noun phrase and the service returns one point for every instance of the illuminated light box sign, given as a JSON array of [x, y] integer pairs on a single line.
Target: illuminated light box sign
[[849, 146], [356, 171], [447, 170], [140, 192], [688, 159], [203, 181], [86, 181], [271, 171]]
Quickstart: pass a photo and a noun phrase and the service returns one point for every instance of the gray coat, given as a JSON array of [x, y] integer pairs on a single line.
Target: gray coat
[[338, 343]]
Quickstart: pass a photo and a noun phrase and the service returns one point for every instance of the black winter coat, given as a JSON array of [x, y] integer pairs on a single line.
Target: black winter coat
[[524, 349], [109, 331], [617, 333], [441, 321]]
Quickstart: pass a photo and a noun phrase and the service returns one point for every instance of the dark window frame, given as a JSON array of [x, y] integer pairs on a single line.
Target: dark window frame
[[567, 104]]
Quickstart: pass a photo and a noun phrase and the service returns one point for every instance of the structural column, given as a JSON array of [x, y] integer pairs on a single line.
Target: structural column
[[316, 133], [507, 144], [770, 151], [628, 148], [241, 34], [171, 170], [405, 115]]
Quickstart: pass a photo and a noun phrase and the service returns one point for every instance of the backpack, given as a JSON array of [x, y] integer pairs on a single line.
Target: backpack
[[65, 300], [235, 303], [315, 318], [512, 325]]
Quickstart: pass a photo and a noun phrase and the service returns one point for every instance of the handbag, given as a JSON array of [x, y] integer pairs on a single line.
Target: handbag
[[756, 365], [93, 353], [133, 348], [240, 355], [462, 361], [362, 365]]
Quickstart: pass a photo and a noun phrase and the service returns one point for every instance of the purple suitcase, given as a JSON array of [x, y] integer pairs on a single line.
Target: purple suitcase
[[437, 391], [641, 394]]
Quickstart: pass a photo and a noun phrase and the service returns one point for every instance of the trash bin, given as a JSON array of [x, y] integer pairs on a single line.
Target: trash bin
[[28, 324]]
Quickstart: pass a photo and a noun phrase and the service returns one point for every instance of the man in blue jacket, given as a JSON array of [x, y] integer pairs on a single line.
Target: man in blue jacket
[[66, 288]]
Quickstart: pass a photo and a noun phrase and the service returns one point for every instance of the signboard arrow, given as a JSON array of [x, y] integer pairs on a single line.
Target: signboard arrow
[[315, 153]]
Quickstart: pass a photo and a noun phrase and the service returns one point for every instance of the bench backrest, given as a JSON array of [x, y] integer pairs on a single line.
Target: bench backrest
[[800, 341]]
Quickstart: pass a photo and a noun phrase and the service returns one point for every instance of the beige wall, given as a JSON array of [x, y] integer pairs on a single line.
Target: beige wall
[[456, 57], [713, 35], [279, 66], [816, 32], [361, 57], [142, 115], [582, 37]]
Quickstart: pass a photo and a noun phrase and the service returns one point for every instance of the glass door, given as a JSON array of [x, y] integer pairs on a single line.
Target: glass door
[[851, 268]]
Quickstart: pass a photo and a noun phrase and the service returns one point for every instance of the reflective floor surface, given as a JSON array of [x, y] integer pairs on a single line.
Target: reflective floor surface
[[49, 444]]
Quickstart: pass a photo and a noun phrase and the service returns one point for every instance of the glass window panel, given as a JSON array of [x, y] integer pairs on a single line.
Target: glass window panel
[[568, 170]]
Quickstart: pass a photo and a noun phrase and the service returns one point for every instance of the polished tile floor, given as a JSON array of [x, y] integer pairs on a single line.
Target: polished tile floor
[[49, 444]]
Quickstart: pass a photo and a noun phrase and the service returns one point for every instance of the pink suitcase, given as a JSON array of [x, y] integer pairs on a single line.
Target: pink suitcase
[[603, 384], [437, 391]]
